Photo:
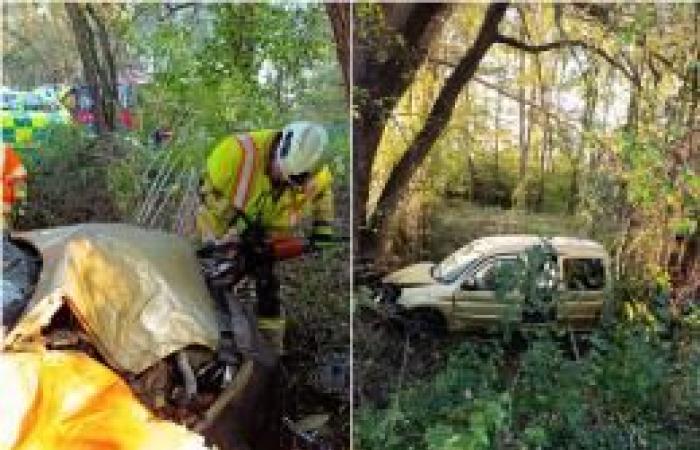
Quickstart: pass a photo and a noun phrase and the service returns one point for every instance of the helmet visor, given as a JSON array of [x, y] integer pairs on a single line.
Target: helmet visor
[[284, 145], [299, 179]]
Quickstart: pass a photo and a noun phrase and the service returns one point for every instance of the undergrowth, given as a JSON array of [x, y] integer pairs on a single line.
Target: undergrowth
[[632, 383], [631, 389]]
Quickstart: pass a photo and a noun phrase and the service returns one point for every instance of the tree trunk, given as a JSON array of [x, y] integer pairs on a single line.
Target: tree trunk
[[107, 71], [632, 111], [403, 32], [497, 126], [365, 136], [695, 90], [438, 117], [528, 141], [546, 131], [545, 136], [339, 15], [522, 172], [85, 41], [99, 73]]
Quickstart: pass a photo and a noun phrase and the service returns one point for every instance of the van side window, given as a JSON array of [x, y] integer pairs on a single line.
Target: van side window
[[584, 274], [494, 271]]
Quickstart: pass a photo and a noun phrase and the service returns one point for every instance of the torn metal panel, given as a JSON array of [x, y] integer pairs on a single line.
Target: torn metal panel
[[138, 293]]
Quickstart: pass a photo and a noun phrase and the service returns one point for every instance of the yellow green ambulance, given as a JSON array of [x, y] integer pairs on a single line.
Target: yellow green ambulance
[[25, 116]]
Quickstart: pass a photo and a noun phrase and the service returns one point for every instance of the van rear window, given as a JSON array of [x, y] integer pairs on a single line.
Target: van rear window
[[584, 274]]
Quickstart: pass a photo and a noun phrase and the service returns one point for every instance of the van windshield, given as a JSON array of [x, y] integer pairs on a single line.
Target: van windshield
[[452, 267]]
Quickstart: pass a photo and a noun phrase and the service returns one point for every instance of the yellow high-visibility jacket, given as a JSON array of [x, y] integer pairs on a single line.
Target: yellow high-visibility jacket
[[235, 178]]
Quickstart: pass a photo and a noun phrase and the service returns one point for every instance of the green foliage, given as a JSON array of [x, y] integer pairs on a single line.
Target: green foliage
[[339, 153], [487, 417], [602, 197], [647, 182], [67, 179], [257, 65], [623, 393], [534, 274], [246, 36], [458, 407], [230, 68]]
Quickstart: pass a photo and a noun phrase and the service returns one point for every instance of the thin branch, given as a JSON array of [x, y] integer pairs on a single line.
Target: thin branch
[[538, 48], [559, 116], [668, 63], [600, 16], [556, 114]]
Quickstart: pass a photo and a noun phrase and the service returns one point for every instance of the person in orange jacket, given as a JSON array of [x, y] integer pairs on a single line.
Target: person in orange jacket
[[14, 185]]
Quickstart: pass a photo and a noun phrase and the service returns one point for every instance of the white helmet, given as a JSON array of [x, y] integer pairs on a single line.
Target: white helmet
[[300, 148]]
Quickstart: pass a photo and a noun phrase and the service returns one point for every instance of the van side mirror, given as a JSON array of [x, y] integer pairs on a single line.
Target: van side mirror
[[469, 284]]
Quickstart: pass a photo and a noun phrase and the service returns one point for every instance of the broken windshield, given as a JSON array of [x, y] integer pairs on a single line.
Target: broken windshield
[[452, 267]]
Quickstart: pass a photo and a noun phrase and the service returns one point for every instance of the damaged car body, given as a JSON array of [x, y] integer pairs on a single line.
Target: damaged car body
[[139, 301], [138, 294], [467, 291]]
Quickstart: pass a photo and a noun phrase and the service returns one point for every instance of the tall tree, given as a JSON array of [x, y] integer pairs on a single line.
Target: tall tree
[[339, 15], [390, 43], [381, 67], [522, 143], [497, 129], [93, 42]]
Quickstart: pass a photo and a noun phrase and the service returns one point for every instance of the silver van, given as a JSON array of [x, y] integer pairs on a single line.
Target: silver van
[[461, 291]]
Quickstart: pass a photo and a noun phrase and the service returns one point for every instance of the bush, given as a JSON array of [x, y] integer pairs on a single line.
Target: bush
[[629, 391], [67, 179]]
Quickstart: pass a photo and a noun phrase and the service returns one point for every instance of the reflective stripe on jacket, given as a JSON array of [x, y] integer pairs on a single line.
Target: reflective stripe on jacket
[[236, 178]]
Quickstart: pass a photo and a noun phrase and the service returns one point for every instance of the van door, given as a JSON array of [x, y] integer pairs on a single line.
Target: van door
[[476, 302], [583, 285]]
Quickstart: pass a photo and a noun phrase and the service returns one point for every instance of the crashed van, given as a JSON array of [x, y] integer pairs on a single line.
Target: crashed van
[[464, 291]]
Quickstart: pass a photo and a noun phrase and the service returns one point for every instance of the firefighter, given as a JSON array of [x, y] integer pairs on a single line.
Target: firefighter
[[277, 177], [14, 185]]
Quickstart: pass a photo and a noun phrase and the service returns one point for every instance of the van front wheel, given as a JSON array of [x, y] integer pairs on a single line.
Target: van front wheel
[[425, 323]]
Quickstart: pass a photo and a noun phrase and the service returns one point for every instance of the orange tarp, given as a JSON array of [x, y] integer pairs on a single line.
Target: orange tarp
[[65, 400]]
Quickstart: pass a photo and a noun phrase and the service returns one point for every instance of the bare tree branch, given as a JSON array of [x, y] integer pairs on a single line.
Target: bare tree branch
[[538, 48], [601, 15], [667, 63]]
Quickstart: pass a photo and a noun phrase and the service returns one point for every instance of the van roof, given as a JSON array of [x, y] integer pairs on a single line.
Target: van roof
[[521, 242]]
